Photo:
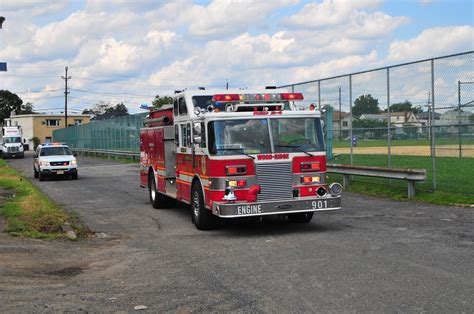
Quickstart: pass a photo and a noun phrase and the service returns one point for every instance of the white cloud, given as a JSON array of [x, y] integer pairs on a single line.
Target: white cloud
[[433, 42], [377, 24], [32, 8], [226, 17], [327, 13], [145, 47]]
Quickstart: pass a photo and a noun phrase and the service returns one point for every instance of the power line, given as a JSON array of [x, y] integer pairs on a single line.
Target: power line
[[111, 93]]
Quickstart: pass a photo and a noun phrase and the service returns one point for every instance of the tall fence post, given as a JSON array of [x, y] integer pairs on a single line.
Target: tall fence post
[[433, 146], [319, 94], [388, 120], [329, 132], [459, 123], [350, 119]]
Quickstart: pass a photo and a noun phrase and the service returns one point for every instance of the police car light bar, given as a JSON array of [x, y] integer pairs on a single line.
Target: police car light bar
[[267, 97]]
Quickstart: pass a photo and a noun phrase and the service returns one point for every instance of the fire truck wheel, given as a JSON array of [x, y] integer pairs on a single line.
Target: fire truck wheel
[[300, 217], [154, 195], [201, 217]]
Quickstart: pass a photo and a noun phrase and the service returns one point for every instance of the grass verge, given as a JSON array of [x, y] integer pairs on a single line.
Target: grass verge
[[125, 160], [453, 179], [27, 210]]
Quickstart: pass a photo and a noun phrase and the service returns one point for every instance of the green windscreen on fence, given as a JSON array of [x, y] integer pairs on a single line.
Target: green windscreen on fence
[[120, 133]]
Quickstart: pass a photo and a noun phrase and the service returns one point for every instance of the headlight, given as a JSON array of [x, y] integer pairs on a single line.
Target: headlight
[[335, 189], [73, 162], [44, 163]]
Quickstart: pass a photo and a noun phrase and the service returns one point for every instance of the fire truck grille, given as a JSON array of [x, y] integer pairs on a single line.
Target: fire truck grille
[[12, 149], [275, 180]]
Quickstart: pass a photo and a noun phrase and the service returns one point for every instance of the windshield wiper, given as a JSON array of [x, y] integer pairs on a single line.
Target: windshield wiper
[[298, 147], [237, 150]]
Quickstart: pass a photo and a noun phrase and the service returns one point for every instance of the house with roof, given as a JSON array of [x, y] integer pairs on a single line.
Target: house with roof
[[341, 124], [43, 125]]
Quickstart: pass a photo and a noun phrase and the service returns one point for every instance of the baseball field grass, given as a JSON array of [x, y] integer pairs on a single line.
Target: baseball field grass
[[453, 178]]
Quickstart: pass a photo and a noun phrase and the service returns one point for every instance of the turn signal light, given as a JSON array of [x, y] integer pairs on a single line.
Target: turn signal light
[[310, 166], [310, 179], [237, 183], [235, 170]]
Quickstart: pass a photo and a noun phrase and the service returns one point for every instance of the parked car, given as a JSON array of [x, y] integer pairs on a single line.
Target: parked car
[[400, 135], [54, 159]]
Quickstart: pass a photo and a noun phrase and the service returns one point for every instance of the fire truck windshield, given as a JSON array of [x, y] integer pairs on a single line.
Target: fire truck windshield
[[297, 134], [252, 136], [233, 137]]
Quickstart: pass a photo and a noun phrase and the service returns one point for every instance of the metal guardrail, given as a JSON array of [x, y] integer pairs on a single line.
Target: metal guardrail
[[107, 153], [410, 175]]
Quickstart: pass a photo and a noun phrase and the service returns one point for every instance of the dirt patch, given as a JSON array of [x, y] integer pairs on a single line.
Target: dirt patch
[[65, 272], [441, 150]]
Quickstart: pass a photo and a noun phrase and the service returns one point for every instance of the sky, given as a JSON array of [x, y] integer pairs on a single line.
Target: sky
[[130, 51]]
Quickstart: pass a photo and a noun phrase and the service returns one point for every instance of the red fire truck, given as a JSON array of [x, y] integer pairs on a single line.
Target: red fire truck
[[237, 154]]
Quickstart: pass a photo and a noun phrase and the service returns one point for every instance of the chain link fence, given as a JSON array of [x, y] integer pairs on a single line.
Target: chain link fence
[[412, 115], [115, 134]]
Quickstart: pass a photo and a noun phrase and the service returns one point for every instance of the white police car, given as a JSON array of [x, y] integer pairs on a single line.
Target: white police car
[[54, 159]]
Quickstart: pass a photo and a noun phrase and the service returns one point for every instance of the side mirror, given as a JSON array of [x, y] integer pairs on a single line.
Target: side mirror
[[74, 154], [197, 133]]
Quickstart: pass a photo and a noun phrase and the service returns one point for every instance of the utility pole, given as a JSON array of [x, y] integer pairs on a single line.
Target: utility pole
[[65, 78], [340, 115]]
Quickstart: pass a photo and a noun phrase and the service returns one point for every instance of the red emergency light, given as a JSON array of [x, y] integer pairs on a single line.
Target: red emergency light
[[268, 97], [292, 96], [226, 97]]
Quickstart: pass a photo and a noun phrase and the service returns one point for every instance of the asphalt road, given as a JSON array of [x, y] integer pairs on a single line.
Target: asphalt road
[[375, 255]]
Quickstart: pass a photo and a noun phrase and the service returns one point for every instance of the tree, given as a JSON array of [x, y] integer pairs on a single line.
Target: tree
[[365, 104], [368, 123], [10, 102], [159, 101], [118, 109], [98, 109], [27, 108], [405, 106]]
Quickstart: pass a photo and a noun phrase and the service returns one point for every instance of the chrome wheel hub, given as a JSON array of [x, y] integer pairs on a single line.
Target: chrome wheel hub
[[196, 203]]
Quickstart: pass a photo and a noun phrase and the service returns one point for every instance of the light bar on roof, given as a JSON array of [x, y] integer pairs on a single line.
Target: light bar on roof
[[226, 97], [265, 97]]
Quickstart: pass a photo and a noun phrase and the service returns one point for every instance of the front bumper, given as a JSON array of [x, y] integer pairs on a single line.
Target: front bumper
[[11, 155], [65, 171], [296, 205]]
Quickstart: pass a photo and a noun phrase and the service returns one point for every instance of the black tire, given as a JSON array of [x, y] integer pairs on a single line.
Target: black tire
[[153, 192], [158, 200], [301, 217], [41, 176], [201, 217], [74, 176], [35, 173]]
